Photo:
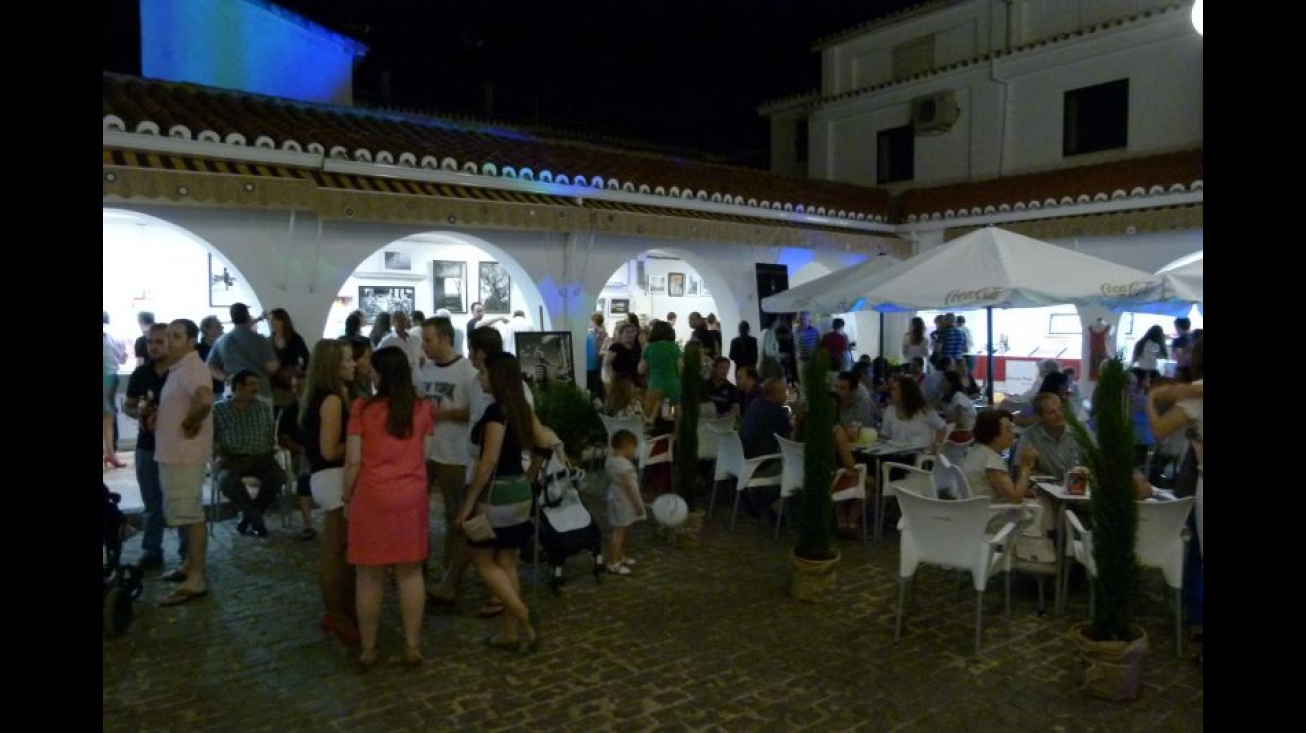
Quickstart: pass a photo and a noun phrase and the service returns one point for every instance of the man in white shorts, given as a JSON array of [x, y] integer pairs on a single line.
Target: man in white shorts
[[183, 445]]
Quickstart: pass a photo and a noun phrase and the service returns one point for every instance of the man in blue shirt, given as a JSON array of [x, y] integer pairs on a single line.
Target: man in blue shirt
[[594, 340]]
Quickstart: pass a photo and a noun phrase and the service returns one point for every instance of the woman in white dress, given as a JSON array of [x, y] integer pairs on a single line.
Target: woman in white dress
[[915, 343], [908, 420]]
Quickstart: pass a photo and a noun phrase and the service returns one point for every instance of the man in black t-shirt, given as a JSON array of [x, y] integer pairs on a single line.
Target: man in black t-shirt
[[720, 391], [144, 319], [142, 403]]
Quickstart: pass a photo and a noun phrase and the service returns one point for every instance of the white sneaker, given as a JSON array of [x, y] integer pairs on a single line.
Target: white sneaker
[[630, 561], [619, 570]]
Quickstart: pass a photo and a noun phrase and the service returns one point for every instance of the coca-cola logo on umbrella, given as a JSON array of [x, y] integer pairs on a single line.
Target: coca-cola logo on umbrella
[[976, 295], [1126, 290]]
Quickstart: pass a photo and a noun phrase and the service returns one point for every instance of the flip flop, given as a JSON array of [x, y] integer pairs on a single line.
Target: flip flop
[[182, 595], [173, 576], [490, 609]]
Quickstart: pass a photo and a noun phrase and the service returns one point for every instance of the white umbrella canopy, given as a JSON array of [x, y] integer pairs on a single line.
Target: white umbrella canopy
[[836, 292], [1181, 287], [996, 268]]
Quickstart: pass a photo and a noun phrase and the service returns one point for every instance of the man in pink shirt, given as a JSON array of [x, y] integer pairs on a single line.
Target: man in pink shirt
[[183, 437]]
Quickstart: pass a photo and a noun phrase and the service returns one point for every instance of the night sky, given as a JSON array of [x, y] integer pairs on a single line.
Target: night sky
[[681, 73]]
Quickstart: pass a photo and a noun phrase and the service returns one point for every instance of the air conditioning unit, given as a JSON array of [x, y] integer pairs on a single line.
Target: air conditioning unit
[[934, 113]]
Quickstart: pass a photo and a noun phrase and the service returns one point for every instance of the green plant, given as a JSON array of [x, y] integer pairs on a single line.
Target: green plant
[[569, 412], [685, 448], [815, 508], [1112, 502]]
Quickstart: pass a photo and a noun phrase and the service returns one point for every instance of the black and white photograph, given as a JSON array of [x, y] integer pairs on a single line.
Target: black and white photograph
[[657, 283], [377, 299], [619, 306], [676, 284], [495, 287], [545, 356], [398, 261], [693, 288], [449, 284], [222, 284]]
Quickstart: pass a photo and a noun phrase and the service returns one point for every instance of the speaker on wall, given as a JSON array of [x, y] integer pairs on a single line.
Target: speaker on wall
[[771, 279]]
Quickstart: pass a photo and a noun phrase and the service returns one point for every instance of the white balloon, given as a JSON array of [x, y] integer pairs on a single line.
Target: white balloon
[[670, 510]]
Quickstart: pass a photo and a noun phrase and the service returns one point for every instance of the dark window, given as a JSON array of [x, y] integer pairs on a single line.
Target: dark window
[[800, 141], [895, 155], [1097, 118]]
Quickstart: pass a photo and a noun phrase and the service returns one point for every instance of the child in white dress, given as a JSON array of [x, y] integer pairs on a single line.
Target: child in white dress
[[625, 505]]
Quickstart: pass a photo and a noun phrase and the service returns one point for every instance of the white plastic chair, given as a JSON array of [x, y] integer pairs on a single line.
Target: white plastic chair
[[707, 432], [791, 474], [1160, 543], [730, 463], [917, 480], [952, 534], [854, 492], [955, 451], [634, 425]]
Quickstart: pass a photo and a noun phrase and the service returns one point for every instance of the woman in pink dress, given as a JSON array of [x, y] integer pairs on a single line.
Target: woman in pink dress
[[386, 500]]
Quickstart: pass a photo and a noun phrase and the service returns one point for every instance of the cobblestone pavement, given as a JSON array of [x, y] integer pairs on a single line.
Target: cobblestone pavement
[[705, 639]]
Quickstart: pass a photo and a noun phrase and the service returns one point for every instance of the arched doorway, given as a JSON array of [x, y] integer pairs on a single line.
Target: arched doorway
[[430, 271], [664, 281]]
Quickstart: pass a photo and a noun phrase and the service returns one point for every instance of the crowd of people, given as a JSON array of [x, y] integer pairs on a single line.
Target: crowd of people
[[376, 425]]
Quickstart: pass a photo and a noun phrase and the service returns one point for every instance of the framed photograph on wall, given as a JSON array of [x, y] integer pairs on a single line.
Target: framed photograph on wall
[[398, 261], [222, 285], [495, 287], [376, 299], [676, 284], [449, 284], [657, 284], [693, 288], [545, 356], [619, 306]]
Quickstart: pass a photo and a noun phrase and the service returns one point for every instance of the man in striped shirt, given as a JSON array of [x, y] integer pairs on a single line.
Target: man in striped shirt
[[806, 339]]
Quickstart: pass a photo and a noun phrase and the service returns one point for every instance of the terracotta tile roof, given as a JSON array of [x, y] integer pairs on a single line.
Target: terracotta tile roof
[[1137, 177], [190, 111]]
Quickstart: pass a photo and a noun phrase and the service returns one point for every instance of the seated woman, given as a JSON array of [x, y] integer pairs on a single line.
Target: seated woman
[[957, 408], [988, 475], [908, 419], [623, 400]]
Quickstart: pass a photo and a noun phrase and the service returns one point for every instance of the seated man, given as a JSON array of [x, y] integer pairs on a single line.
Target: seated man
[[244, 440], [749, 386], [719, 391], [1058, 451], [854, 405], [766, 418]]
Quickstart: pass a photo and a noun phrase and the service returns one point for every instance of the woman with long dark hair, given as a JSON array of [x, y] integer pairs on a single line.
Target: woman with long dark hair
[[915, 343], [1147, 351], [908, 418], [292, 354], [499, 484], [385, 494], [380, 327], [323, 415]]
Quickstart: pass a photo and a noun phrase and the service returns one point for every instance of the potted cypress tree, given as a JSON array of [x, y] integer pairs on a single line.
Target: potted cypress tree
[[1112, 646], [814, 556], [685, 445]]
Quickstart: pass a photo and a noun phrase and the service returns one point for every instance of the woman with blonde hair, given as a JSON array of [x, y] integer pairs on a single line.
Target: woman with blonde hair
[[386, 498], [323, 415]]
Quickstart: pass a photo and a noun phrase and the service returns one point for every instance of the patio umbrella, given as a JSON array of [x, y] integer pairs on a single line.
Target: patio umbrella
[[838, 292], [995, 268], [1181, 287]]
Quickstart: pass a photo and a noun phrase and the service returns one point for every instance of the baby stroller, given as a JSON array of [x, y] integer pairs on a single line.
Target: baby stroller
[[122, 584], [564, 526]]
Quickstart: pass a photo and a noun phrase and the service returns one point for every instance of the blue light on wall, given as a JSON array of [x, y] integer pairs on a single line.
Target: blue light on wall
[[246, 45]]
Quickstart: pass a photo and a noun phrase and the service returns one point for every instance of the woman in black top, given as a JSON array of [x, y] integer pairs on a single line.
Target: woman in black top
[[508, 426], [624, 354], [324, 417], [291, 352]]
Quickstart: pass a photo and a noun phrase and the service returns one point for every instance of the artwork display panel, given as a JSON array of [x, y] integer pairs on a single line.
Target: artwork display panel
[[676, 284], [222, 285], [619, 306], [449, 285], [398, 261], [495, 287], [545, 356], [376, 299]]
